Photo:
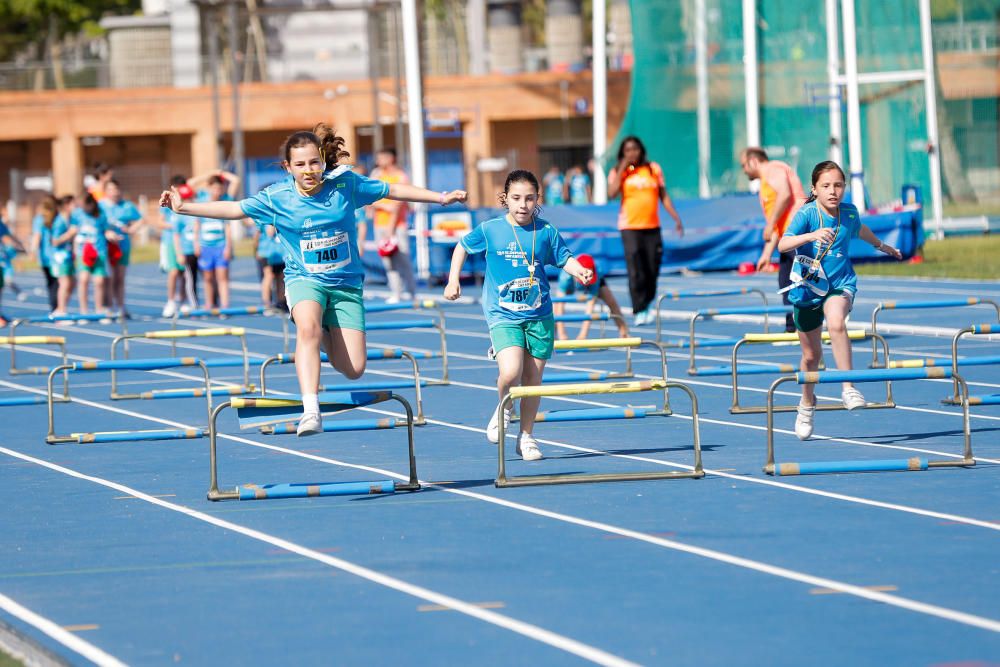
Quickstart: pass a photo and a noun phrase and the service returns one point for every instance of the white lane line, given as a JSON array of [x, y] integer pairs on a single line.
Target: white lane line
[[528, 630], [56, 632]]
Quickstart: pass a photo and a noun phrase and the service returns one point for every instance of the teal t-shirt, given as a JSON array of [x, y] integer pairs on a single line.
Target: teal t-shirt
[[554, 188], [578, 184], [62, 254], [45, 239], [510, 293], [212, 232], [90, 229], [837, 262], [317, 233]]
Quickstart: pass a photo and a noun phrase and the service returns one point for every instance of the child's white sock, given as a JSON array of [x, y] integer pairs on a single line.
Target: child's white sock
[[310, 404]]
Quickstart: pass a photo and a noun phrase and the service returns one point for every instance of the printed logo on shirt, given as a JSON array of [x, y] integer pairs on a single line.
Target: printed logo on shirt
[[308, 223]]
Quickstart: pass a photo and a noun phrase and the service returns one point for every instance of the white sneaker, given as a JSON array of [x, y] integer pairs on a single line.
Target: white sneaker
[[392, 300], [310, 424], [640, 318], [493, 428], [853, 399], [169, 309], [491, 354], [527, 447], [804, 421]]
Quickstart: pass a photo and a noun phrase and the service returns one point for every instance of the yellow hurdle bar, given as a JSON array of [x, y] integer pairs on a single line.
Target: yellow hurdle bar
[[32, 340], [597, 343], [587, 388], [853, 334], [195, 333], [14, 341], [503, 480]]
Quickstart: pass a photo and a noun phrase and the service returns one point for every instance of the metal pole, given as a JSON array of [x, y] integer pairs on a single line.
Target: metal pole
[[599, 69], [238, 152], [398, 70], [373, 75], [930, 96], [415, 117], [833, 75], [475, 28], [853, 106], [213, 73], [701, 73], [750, 72]]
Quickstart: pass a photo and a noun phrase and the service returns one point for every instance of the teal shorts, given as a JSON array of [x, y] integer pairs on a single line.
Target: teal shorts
[[62, 269], [807, 319], [538, 337], [98, 270], [343, 307]]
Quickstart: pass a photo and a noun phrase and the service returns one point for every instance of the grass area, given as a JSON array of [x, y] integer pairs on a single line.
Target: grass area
[[7, 661], [971, 210], [958, 257]]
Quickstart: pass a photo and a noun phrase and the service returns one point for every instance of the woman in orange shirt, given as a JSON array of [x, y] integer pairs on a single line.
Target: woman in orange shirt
[[640, 183]]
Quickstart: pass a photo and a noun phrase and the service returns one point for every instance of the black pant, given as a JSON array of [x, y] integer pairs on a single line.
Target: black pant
[[191, 278], [52, 285], [643, 254], [784, 280]]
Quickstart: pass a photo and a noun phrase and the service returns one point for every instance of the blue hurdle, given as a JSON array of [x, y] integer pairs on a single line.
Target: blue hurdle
[[916, 305], [677, 295], [869, 375], [236, 311], [734, 370], [438, 324], [52, 319], [709, 313], [255, 412], [974, 330], [219, 362], [374, 354], [124, 365], [13, 342], [515, 393]]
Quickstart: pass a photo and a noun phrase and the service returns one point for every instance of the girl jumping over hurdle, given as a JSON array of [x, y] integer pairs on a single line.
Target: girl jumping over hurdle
[[313, 213], [823, 280], [516, 299]]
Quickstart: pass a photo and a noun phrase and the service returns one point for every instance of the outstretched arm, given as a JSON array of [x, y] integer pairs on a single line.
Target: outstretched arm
[[407, 192], [868, 235], [220, 210]]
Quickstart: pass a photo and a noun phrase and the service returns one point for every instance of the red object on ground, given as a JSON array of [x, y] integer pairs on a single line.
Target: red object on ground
[[746, 268], [587, 262], [916, 259]]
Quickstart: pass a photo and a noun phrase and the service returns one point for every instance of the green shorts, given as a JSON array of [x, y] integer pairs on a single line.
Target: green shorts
[[98, 270], [168, 258], [538, 337], [62, 269], [343, 307], [807, 319]]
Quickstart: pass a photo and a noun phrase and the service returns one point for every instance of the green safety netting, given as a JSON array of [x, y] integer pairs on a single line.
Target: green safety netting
[[794, 117]]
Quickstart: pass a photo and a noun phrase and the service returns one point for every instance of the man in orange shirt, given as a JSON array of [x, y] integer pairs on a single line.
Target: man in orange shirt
[[781, 195]]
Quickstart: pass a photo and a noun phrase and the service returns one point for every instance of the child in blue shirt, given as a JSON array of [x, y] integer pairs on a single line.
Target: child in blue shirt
[[516, 299], [313, 215], [93, 232], [822, 231], [213, 243], [41, 245], [123, 219], [61, 253], [8, 242], [590, 293]]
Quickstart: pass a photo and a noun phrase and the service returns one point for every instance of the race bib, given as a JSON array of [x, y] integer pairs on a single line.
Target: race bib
[[521, 295], [809, 282], [326, 254]]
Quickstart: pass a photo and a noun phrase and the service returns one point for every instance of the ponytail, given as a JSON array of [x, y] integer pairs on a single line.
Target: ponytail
[[323, 137], [48, 210]]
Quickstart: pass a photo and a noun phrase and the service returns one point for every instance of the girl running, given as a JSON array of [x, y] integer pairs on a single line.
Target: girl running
[[61, 253], [313, 213], [822, 231], [516, 299], [124, 219]]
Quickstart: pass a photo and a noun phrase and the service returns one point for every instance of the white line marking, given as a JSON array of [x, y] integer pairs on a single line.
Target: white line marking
[[56, 632]]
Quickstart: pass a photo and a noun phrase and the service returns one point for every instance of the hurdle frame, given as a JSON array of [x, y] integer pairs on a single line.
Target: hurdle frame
[[35, 370], [236, 311], [215, 494], [380, 353], [173, 335], [399, 325], [755, 338], [50, 319], [917, 305], [712, 313], [154, 364], [975, 330], [541, 391], [868, 375], [677, 295], [612, 343]]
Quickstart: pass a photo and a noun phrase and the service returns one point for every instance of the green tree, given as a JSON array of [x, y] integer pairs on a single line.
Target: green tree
[[44, 23]]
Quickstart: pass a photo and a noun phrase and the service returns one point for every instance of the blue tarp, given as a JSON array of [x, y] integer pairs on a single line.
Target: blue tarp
[[719, 234]]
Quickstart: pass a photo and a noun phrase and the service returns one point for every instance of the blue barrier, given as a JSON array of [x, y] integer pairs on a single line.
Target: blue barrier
[[592, 414], [133, 436], [337, 426], [883, 465], [947, 303], [275, 491]]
